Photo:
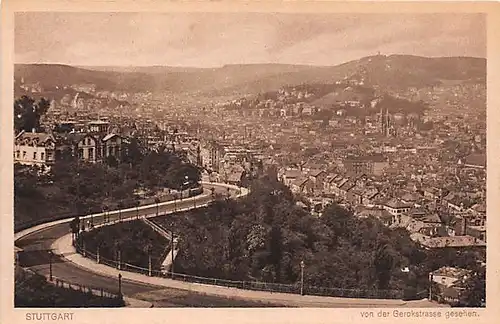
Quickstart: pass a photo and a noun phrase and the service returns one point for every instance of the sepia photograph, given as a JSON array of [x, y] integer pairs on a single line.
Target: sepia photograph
[[249, 160]]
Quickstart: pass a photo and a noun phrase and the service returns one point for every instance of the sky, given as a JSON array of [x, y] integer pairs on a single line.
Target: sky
[[217, 39]]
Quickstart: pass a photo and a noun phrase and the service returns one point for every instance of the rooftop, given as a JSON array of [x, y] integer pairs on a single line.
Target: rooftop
[[451, 241], [453, 272], [396, 204]]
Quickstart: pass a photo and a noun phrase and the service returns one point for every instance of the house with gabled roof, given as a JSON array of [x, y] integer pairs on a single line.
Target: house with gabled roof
[[317, 177], [345, 187], [301, 185], [396, 207], [289, 176], [34, 148], [369, 195], [112, 145]]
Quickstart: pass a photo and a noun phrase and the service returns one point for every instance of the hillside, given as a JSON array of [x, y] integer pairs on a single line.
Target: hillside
[[386, 72]]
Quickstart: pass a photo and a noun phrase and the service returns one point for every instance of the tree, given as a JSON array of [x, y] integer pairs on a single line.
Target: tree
[[383, 263], [475, 289], [27, 113], [111, 161], [133, 154], [276, 250]]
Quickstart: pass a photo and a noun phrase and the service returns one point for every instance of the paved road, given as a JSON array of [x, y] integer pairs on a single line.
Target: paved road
[[36, 248], [35, 255]]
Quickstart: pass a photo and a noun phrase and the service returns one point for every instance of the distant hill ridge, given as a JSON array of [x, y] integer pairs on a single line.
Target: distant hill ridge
[[393, 71]]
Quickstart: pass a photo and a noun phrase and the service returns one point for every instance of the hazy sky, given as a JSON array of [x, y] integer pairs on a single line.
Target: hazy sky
[[215, 39]]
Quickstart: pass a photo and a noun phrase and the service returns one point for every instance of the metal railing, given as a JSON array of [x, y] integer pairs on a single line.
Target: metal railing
[[250, 285], [127, 206], [247, 285], [61, 283]]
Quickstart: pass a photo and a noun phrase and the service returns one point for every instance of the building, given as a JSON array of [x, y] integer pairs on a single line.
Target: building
[[112, 145], [448, 283], [370, 165], [474, 161], [396, 208], [98, 126], [88, 148], [34, 148], [211, 154], [289, 176]]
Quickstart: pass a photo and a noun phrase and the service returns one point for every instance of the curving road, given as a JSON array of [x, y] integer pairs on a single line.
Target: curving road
[[36, 247], [35, 255]]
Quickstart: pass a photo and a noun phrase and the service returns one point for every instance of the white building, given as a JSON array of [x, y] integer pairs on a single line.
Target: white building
[[34, 148]]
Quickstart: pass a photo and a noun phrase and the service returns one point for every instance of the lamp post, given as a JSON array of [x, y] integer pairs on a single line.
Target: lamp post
[[119, 259], [50, 264], [120, 284], [149, 263], [156, 202], [172, 251], [430, 286], [104, 214], [302, 265]]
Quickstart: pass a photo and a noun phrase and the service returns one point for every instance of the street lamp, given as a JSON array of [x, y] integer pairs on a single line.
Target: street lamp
[[50, 264], [157, 200], [172, 251], [430, 285], [302, 265], [104, 214], [119, 284], [98, 255], [149, 263]]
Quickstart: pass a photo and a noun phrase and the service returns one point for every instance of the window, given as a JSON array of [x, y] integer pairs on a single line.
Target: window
[[18, 154], [34, 155], [24, 154], [80, 153], [91, 153], [42, 156]]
